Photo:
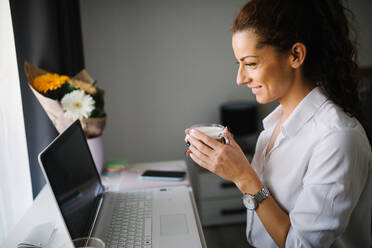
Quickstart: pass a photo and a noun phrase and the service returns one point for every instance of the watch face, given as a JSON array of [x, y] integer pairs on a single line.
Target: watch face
[[249, 202]]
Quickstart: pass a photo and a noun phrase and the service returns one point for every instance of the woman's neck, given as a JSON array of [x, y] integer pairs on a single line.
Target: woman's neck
[[295, 95]]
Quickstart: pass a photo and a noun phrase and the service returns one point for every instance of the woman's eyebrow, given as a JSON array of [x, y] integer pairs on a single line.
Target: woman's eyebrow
[[243, 58]]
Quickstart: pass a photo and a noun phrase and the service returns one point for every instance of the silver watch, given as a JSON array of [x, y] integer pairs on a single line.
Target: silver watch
[[251, 201]]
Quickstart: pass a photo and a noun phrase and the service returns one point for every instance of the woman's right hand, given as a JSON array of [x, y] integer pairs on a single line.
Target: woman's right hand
[[225, 160]]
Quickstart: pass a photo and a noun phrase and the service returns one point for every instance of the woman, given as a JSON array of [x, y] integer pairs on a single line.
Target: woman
[[309, 183]]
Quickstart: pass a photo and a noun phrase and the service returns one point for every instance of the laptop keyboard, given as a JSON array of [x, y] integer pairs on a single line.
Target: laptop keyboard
[[131, 222]]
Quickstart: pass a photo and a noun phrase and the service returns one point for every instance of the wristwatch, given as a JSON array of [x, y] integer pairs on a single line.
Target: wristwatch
[[251, 201]]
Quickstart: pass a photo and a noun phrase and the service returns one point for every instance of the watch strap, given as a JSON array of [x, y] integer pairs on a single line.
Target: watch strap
[[262, 195]]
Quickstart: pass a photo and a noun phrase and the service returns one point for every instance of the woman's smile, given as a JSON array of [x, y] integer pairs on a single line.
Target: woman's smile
[[256, 89]]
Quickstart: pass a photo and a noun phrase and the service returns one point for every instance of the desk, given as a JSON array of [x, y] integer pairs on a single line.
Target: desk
[[44, 208], [128, 179]]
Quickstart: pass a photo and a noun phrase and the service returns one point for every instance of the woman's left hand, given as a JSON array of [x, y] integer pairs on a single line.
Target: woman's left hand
[[226, 160]]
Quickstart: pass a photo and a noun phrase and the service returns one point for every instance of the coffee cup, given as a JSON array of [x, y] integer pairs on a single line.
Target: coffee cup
[[215, 131]]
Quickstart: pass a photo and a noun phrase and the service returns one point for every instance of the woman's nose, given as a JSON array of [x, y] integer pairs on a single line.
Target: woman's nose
[[242, 77]]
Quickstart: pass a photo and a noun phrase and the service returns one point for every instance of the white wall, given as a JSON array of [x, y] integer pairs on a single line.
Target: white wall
[[165, 65], [15, 181]]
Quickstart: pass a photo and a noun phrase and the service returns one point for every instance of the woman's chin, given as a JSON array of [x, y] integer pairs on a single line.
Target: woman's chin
[[260, 100], [263, 100]]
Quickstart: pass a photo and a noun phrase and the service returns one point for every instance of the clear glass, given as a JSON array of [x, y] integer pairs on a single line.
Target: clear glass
[[85, 243], [88, 243]]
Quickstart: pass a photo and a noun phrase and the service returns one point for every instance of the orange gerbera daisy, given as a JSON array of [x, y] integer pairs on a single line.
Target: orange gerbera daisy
[[49, 81]]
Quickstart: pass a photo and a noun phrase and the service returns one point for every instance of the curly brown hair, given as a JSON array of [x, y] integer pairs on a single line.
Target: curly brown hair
[[323, 26]]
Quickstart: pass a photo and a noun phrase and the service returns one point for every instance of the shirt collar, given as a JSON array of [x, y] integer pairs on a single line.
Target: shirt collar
[[272, 118], [300, 115]]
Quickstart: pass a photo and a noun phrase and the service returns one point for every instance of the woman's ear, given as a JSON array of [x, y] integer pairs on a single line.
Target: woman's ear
[[297, 55]]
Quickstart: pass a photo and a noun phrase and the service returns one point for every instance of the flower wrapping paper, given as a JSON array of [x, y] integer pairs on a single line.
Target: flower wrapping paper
[[92, 126]]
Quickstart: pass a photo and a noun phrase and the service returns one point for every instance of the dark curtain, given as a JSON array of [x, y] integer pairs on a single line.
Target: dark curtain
[[366, 93], [47, 33]]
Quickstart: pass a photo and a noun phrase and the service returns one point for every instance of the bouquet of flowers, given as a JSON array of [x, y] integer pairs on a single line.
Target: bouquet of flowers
[[66, 99]]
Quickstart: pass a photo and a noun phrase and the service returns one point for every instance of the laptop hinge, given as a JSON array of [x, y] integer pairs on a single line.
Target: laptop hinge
[[96, 215]]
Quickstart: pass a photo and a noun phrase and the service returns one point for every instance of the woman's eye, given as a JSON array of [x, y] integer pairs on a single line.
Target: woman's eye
[[250, 64], [246, 64]]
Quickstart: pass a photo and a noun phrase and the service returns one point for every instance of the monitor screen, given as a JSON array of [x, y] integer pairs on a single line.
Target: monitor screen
[[74, 179]]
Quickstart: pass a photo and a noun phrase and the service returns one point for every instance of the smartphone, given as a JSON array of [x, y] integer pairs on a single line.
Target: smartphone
[[163, 175]]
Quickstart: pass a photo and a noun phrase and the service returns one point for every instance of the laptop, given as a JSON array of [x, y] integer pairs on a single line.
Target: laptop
[[152, 217]]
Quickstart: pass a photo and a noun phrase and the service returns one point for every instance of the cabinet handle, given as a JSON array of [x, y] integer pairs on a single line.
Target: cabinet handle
[[225, 185], [232, 211]]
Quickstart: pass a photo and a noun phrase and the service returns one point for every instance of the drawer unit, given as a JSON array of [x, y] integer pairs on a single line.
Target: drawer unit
[[221, 211], [219, 201], [211, 186]]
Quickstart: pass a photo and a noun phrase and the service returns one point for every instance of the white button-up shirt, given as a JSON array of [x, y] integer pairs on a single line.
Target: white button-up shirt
[[319, 172]]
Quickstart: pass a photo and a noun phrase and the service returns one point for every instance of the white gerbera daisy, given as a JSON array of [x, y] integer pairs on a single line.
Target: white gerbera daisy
[[77, 104]]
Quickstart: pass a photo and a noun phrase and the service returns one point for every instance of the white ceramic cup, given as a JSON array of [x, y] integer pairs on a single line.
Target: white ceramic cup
[[215, 131]]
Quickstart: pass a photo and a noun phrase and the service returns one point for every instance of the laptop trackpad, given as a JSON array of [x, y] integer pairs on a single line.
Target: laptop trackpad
[[174, 224]]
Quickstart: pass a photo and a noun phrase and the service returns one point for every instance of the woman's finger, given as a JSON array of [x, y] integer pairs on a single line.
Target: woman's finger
[[199, 161], [198, 153], [187, 153], [187, 131], [230, 136], [214, 144], [206, 150]]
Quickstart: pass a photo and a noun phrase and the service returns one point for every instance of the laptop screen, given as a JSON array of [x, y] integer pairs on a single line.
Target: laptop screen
[[71, 172]]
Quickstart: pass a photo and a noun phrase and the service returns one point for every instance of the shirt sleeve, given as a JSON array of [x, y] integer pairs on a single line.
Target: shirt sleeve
[[335, 178]]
